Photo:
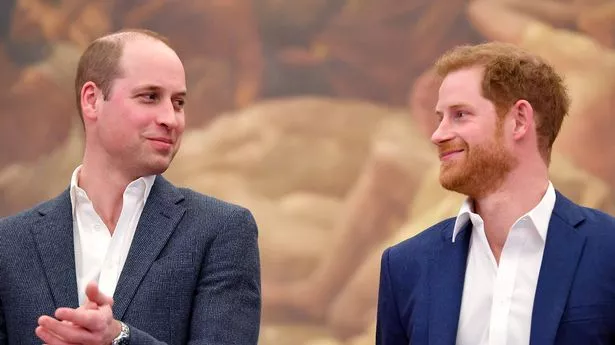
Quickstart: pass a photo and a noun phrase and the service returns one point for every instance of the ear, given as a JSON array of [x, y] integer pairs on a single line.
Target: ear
[[522, 115], [91, 97]]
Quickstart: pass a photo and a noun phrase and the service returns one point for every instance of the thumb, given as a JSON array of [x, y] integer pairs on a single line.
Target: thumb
[[94, 295], [89, 305]]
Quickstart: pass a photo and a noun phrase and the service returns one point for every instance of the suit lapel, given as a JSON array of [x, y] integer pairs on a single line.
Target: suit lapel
[[160, 216], [447, 277], [563, 249], [53, 235]]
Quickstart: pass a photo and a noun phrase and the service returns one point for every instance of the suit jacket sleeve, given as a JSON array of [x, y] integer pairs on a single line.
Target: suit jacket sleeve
[[227, 303], [2, 326], [389, 330]]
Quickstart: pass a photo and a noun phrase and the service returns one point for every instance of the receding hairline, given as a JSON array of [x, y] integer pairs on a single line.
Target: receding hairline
[[101, 61], [127, 35]]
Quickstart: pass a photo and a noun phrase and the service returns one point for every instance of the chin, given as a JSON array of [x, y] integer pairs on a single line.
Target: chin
[[456, 181], [155, 164], [450, 172], [157, 167], [459, 187]]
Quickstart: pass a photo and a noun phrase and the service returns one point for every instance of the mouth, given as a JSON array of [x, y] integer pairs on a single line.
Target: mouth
[[162, 140], [449, 154], [161, 144]]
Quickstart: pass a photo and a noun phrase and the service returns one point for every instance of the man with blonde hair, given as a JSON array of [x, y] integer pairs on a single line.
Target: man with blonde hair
[[122, 256], [520, 263]]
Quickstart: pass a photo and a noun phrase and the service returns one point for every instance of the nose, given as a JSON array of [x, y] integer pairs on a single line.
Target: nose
[[442, 133], [168, 116]]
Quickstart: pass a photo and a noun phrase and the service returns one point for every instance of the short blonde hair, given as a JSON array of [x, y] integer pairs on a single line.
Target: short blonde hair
[[100, 63]]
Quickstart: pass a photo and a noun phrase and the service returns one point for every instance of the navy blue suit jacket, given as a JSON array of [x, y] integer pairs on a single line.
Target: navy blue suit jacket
[[192, 274], [421, 283]]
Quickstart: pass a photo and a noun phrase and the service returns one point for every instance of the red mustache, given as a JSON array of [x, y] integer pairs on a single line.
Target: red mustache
[[450, 146]]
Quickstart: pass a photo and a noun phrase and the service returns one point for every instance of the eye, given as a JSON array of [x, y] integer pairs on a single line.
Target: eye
[[149, 97], [178, 104], [459, 114]]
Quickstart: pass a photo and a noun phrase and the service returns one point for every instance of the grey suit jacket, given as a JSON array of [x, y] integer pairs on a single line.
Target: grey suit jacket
[[192, 274]]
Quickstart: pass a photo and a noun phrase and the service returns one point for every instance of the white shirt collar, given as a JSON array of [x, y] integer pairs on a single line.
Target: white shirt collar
[[142, 185], [539, 216]]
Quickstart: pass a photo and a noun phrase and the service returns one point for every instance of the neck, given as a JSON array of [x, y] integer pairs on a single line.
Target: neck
[[105, 185], [520, 192]]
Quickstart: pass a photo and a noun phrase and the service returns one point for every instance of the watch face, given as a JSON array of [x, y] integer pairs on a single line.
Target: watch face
[[123, 338]]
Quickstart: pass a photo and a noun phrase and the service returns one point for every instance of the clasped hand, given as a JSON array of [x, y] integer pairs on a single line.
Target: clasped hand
[[90, 324]]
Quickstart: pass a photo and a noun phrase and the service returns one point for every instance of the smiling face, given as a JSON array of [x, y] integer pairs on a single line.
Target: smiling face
[[470, 138], [138, 129]]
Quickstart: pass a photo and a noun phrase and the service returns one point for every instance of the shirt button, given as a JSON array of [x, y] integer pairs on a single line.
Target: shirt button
[[97, 227]]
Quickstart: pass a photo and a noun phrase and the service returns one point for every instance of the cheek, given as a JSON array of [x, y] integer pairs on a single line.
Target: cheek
[[480, 135], [122, 121], [116, 135], [181, 123], [136, 116]]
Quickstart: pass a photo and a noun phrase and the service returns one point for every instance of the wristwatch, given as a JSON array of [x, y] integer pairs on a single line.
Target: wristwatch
[[124, 337]]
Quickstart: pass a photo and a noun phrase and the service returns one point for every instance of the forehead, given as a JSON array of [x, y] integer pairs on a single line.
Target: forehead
[[146, 61], [461, 87]]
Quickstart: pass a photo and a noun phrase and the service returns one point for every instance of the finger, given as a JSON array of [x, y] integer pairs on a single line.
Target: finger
[[68, 322], [49, 338], [93, 294], [93, 320], [89, 305], [85, 318], [65, 330]]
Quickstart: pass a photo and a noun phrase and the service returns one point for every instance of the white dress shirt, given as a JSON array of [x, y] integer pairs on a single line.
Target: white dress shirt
[[99, 256], [497, 302]]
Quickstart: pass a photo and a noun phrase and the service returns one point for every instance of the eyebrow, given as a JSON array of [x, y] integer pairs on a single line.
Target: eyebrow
[[455, 106], [155, 88]]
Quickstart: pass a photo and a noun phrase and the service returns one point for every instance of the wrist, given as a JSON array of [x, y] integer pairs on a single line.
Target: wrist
[[122, 333]]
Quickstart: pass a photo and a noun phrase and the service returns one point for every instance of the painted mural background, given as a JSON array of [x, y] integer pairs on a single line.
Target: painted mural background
[[316, 115]]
